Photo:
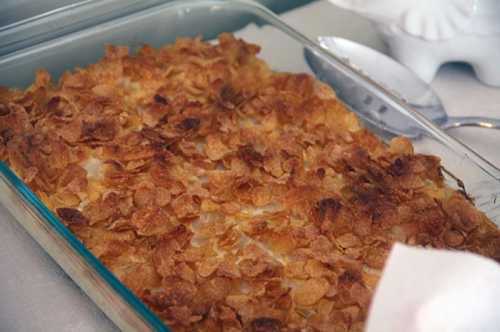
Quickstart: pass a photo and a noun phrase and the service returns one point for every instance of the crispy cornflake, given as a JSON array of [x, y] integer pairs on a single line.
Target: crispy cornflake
[[71, 216], [228, 268], [144, 196], [208, 266], [296, 270], [186, 206], [162, 196], [152, 221], [226, 196], [214, 148], [317, 269], [266, 325], [311, 291], [348, 241]]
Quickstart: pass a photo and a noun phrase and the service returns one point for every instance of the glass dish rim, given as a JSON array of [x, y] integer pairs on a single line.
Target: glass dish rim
[[36, 18], [35, 204]]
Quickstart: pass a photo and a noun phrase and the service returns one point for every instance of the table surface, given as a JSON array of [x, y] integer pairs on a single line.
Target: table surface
[[36, 295]]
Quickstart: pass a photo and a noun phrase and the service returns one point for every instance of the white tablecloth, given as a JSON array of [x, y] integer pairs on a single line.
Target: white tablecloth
[[36, 295]]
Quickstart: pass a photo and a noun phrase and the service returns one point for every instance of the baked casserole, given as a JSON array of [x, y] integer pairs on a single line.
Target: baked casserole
[[225, 195]]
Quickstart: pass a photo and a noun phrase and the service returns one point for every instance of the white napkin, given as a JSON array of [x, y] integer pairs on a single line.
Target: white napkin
[[427, 290]]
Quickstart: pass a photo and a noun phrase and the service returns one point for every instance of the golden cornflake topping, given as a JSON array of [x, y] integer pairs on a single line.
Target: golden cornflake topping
[[227, 196]]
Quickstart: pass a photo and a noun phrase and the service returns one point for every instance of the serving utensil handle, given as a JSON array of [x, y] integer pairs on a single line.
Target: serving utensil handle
[[471, 121]]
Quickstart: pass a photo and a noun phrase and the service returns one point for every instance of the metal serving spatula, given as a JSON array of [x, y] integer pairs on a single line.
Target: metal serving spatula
[[395, 77]]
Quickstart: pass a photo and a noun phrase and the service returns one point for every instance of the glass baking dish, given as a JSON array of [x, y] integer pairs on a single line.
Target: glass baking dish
[[158, 24]]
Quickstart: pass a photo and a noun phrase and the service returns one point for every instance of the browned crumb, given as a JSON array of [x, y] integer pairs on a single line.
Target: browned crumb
[[227, 196]]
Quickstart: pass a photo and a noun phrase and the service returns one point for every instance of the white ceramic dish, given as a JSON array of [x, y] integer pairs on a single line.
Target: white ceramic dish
[[424, 34]]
